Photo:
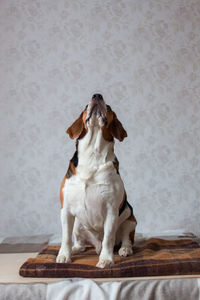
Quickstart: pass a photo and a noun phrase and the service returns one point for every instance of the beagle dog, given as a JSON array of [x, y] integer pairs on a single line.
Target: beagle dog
[[94, 204]]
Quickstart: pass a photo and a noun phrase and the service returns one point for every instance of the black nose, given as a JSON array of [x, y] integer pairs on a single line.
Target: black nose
[[97, 96]]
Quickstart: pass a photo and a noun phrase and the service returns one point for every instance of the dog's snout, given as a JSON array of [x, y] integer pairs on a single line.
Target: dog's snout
[[97, 109], [97, 97]]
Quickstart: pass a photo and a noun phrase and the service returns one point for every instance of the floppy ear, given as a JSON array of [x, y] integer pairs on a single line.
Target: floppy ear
[[116, 129], [76, 128]]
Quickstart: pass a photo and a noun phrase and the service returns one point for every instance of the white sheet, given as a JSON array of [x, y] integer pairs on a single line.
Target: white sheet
[[80, 289]]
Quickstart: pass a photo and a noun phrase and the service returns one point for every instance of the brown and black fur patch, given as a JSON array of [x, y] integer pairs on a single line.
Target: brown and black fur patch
[[61, 191], [72, 165], [132, 233], [123, 205], [116, 164]]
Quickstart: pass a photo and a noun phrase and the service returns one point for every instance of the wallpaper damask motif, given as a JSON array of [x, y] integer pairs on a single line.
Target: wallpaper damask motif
[[144, 57]]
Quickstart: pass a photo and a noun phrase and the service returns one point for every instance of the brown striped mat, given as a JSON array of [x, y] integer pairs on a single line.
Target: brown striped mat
[[153, 257]]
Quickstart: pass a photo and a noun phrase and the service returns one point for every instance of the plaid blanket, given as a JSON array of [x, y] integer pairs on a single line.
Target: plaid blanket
[[151, 257]]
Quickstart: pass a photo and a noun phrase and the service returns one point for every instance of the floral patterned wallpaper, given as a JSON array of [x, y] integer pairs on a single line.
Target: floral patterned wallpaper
[[144, 57]]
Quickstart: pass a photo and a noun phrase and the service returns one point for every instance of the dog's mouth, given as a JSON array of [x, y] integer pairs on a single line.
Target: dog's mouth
[[96, 110]]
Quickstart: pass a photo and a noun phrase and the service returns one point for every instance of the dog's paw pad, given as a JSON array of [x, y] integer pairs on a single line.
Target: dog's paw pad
[[125, 251], [61, 258], [104, 263]]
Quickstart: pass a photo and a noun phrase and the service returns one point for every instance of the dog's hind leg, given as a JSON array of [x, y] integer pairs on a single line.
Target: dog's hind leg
[[84, 238], [127, 232], [79, 238]]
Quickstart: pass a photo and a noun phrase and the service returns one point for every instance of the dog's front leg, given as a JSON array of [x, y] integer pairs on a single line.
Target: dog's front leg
[[67, 221], [106, 255]]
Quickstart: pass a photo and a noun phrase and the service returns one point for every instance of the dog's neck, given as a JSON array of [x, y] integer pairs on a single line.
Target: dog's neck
[[94, 152]]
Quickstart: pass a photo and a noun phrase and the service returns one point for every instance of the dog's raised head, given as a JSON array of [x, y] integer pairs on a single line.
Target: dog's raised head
[[97, 113]]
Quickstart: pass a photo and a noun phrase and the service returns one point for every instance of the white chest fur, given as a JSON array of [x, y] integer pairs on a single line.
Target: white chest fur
[[96, 187], [93, 153]]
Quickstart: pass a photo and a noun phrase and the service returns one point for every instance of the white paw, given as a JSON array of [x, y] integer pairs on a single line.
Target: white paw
[[125, 251], [63, 257], [102, 263], [77, 249]]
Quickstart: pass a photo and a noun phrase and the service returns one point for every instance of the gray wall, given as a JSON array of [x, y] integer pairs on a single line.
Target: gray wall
[[144, 57]]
